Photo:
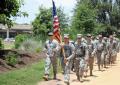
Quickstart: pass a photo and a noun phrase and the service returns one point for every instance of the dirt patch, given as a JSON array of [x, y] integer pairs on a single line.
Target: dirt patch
[[24, 59]]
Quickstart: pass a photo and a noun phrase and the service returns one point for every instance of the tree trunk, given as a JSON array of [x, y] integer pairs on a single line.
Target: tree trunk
[[7, 33]]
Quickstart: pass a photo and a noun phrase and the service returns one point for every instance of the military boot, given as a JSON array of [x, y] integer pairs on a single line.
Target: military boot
[[54, 76], [46, 77]]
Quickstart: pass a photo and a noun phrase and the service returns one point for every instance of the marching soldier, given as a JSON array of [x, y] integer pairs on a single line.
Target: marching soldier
[[100, 51], [91, 53], [117, 45], [51, 47], [81, 53], [68, 54], [112, 45], [105, 41]]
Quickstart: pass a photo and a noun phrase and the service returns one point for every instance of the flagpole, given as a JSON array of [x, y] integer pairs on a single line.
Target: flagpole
[[60, 37]]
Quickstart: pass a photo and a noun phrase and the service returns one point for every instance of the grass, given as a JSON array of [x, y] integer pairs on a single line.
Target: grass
[[8, 45], [30, 75]]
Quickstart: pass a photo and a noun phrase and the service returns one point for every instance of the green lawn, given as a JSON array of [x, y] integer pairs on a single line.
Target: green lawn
[[30, 75]]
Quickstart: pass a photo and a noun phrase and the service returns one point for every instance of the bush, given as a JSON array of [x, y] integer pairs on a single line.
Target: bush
[[31, 45], [1, 44], [11, 58], [19, 39]]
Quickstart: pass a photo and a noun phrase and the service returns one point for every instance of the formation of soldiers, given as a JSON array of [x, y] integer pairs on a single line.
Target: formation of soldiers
[[79, 56]]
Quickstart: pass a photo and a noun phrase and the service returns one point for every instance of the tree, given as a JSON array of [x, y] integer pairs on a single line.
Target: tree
[[8, 9], [84, 17], [43, 22], [108, 14], [96, 16]]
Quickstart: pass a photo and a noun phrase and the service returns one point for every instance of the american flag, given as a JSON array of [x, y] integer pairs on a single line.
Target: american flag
[[56, 27]]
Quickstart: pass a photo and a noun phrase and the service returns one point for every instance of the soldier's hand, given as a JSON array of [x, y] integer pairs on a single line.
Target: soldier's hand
[[92, 54], [54, 50], [65, 60]]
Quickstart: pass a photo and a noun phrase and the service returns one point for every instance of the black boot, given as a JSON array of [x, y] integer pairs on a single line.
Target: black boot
[[46, 77], [54, 76]]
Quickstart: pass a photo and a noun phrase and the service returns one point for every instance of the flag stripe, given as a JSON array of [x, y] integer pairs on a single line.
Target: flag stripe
[[56, 29]]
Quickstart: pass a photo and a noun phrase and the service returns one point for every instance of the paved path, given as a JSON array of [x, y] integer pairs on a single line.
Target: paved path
[[110, 76]]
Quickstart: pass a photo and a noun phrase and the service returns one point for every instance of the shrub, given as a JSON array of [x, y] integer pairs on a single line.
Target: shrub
[[19, 39], [11, 58], [31, 45], [1, 44]]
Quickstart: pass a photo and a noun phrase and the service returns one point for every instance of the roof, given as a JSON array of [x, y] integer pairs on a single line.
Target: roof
[[18, 27]]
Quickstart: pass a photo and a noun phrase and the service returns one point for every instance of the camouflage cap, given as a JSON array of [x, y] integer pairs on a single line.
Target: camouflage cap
[[66, 35], [111, 36], [50, 34], [89, 35], [79, 35], [100, 36]]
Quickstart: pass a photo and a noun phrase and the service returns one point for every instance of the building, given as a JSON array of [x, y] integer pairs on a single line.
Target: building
[[15, 30]]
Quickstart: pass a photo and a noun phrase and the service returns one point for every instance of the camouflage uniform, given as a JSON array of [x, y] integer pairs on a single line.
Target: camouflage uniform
[[81, 54], [51, 47], [112, 45], [91, 54], [105, 41], [117, 46], [68, 55], [99, 48]]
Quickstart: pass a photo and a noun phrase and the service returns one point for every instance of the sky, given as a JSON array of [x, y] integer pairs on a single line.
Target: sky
[[32, 6]]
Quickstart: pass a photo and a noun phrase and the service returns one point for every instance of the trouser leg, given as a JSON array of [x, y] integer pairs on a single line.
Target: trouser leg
[[77, 62], [67, 72], [91, 62], [47, 68], [47, 65], [99, 60], [62, 64], [54, 64]]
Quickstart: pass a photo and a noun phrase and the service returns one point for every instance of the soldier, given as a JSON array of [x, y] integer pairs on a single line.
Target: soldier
[[112, 45], [117, 46], [81, 54], [91, 53], [68, 54], [99, 49], [51, 47], [105, 41]]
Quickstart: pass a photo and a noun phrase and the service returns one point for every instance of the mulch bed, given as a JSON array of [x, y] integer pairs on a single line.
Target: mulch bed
[[25, 59]]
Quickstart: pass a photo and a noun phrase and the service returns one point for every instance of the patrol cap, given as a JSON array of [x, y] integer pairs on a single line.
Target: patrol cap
[[50, 34], [89, 35], [100, 36], [79, 35], [111, 37], [66, 35], [105, 37]]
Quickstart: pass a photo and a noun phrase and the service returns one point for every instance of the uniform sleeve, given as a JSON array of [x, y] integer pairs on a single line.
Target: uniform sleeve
[[73, 52], [115, 43], [95, 47], [58, 47], [86, 51]]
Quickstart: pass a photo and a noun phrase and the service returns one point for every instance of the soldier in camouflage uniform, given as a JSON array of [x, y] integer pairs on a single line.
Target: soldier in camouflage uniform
[[81, 54], [105, 41], [99, 49], [68, 55], [51, 47], [112, 45], [117, 46], [91, 53]]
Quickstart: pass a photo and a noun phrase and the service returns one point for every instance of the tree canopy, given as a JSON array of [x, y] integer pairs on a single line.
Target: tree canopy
[[96, 16], [8, 9], [43, 22]]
